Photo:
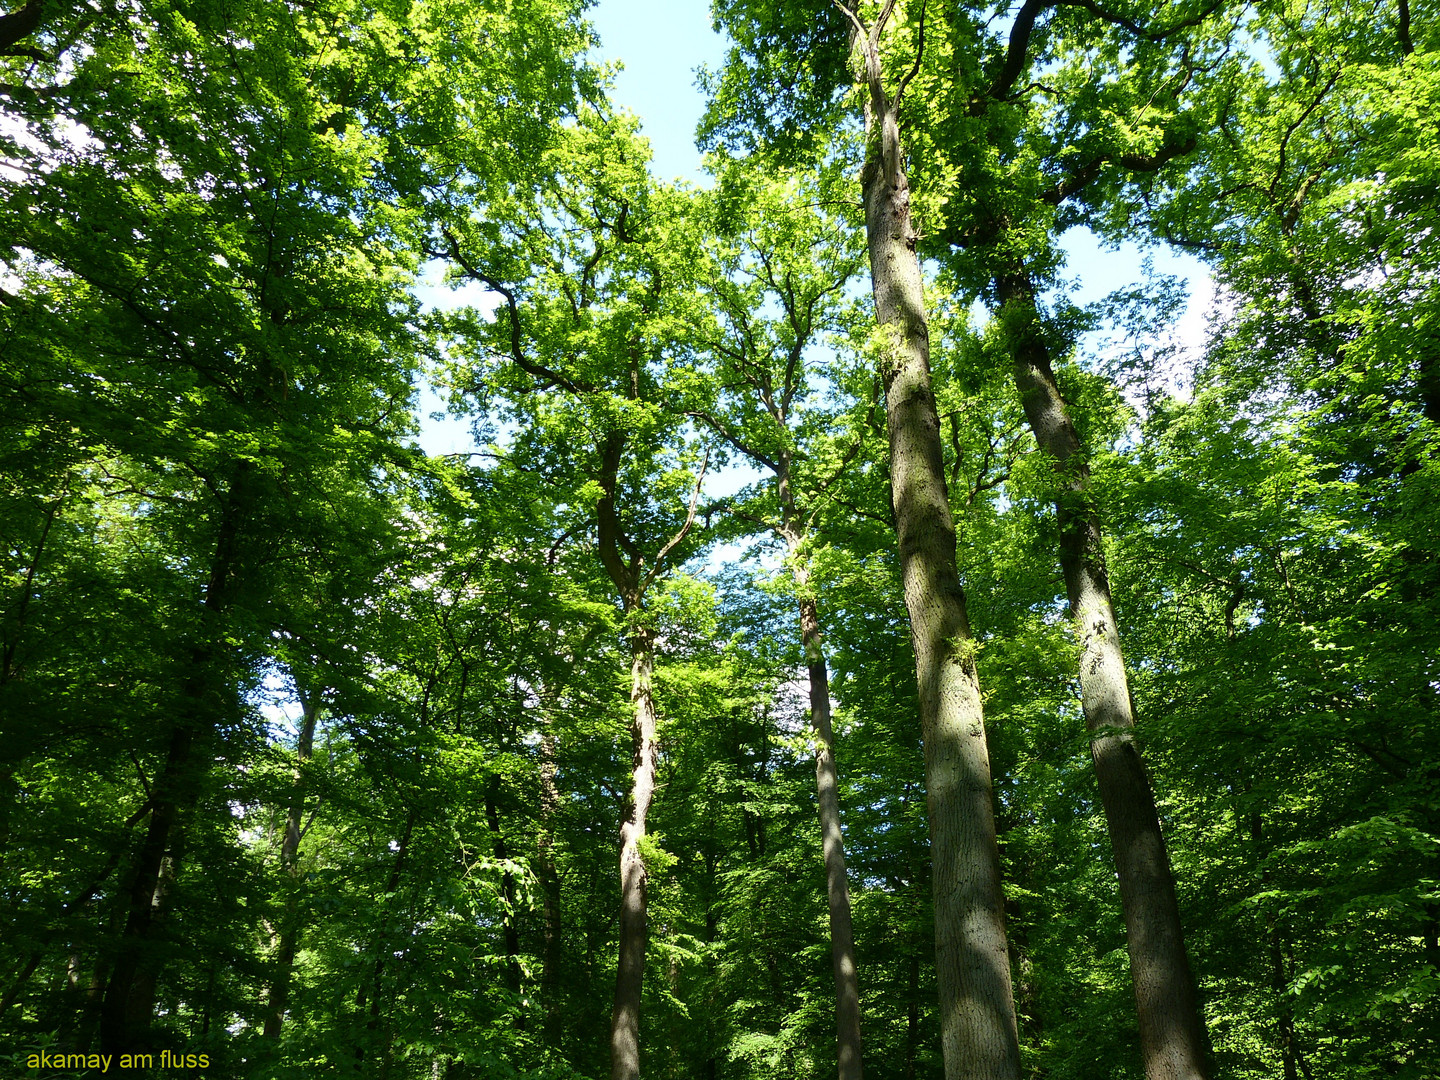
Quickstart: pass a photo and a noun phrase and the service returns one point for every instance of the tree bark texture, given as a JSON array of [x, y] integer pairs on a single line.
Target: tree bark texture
[[1172, 1032], [130, 993], [625, 1019], [979, 1038], [289, 931], [849, 1061]]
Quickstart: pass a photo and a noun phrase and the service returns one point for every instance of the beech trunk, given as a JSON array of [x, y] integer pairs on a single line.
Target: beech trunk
[[979, 1037], [1172, 1032]]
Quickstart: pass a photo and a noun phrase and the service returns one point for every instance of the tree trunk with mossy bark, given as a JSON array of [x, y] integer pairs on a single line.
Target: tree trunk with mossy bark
[[1172, 1031], [978, 1028]]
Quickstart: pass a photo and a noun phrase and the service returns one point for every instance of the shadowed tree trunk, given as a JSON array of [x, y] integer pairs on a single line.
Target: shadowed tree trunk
[[129, 998], [979, 1038], [289, 931], [550, 890], [369, 993], [1172, 1032]]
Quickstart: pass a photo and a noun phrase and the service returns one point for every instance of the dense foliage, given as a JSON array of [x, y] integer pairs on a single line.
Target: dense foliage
[[316, 751]]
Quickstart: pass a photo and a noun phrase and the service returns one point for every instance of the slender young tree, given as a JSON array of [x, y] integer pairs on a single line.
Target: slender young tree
[[287, 932], [791, 255]]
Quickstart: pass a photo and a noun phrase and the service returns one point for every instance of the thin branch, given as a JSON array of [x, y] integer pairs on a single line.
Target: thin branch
[[919, 52], [854, 20], [720, 429], [1135, 28], [689, 520], [517, 351]]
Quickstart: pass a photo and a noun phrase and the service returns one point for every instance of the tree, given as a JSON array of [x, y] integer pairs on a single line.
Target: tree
[[978, 1016], [788, 254], [605, 270]]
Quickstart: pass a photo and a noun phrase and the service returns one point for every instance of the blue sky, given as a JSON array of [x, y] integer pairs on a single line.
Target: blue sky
[[661, 45]]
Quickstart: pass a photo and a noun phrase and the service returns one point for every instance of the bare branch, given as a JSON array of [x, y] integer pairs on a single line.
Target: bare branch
[[720, 429], [689, 520]]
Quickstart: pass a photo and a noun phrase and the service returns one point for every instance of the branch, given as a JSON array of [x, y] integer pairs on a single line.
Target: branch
[[1135, 28], [819, 493], [689, 520], [1018, 48], [1079, 178], [919, 52], [17, 25], [517, 352], [1294, 127], [854, 20], [720, 429], [559, 540]]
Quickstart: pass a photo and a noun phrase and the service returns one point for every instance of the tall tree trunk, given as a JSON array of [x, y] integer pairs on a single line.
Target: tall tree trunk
[[631, 580], [130, 994], [1172, 1032], [550, 892], [837, 887], [977, 1009], [289, 934], [827, 785], [625, 1019]]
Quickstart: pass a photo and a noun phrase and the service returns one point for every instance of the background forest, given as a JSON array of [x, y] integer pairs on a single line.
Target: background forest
[[751, 702]]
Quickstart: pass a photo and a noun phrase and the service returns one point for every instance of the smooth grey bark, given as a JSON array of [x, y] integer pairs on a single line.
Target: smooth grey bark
[[1172, 1032], [979, 1036], [288, 933]]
